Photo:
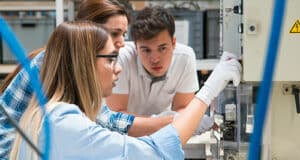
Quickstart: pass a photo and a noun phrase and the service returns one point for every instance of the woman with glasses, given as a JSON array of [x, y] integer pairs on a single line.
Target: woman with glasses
[[78, 70]]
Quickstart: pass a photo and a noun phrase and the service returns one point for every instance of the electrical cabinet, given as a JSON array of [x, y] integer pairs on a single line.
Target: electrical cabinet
[[257, 19]]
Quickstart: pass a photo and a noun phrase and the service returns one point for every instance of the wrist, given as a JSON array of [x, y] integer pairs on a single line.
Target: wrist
[[205, 95]]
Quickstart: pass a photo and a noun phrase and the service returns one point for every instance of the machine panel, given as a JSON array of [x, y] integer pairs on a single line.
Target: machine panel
[[257, 18]]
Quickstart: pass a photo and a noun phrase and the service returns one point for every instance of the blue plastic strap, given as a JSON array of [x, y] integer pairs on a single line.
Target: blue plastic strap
[[266, 84]]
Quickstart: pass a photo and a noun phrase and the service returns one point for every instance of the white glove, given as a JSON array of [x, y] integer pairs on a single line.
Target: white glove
[[227, 55], [205, 124], [226, 70]]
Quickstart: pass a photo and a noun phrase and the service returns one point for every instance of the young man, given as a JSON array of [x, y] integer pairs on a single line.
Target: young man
[[159, 75]]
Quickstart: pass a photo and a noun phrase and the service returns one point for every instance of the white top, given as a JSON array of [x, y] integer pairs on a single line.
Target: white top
[[148, 99]]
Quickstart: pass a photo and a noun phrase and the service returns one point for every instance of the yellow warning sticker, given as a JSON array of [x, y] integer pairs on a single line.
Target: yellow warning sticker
[[296, 27]]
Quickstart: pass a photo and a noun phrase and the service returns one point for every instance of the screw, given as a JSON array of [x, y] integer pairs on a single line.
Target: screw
[[252, 28]]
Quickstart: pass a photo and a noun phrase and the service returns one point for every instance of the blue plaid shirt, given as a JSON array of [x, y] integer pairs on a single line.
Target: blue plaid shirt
[[15, 100]]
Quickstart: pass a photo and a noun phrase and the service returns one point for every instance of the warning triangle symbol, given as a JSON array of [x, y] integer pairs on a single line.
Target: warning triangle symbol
[[296, 27]]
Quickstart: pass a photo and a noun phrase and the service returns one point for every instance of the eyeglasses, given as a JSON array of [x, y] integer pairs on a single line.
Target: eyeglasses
[[111, 57]]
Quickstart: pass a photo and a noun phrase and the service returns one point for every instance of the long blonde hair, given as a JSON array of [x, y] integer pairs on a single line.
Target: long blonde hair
[[68, 74]]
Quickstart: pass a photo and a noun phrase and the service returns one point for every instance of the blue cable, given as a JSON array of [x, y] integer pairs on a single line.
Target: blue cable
[[266, 84], [19, 52]]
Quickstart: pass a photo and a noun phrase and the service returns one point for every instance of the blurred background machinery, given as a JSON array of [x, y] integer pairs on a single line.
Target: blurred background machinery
[[197, 22], [32, 30], [32, 22]]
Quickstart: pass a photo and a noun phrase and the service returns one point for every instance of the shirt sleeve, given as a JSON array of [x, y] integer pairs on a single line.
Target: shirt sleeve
[[189, 80], [18, 93], [15, 99], [16, 96], [115, 121], [76, 137], [126, 60]]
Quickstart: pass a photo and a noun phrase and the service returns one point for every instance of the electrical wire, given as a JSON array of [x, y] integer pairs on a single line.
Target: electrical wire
[[266, 85], [19, 52]]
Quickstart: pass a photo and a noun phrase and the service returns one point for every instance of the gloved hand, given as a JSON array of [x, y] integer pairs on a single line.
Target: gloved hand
[[226, 70], [205, 125]]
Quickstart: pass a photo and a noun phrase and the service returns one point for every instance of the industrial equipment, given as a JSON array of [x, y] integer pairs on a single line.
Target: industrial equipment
[[245, 28]]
